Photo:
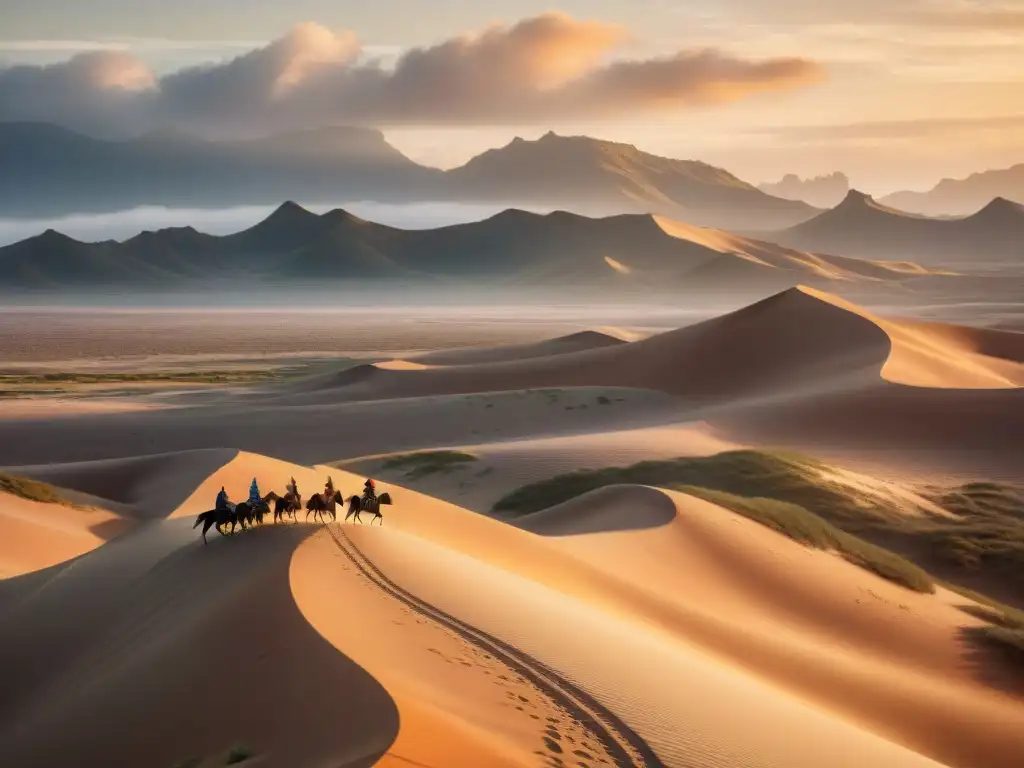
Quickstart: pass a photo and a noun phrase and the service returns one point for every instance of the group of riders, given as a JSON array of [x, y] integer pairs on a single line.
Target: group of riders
[[255, 499]]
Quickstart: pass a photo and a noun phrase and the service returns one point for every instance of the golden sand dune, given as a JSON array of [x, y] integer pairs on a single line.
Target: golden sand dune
[[944, 356], [37, 535], [629, 625], [798, 340]]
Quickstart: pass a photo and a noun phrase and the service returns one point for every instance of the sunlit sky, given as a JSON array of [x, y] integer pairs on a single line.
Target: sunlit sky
[[896, 93]]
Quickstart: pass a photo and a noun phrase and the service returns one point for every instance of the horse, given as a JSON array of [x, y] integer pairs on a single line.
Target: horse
[[252, 514], [218, 518], [237, 514], [288, 504], [319, 506], [359, 504]]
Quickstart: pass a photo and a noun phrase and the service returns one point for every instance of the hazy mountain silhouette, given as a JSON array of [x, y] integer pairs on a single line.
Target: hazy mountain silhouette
[[821, 191], [863, 228], [293, 246], [50, 171], [556, 169], [959, 197]]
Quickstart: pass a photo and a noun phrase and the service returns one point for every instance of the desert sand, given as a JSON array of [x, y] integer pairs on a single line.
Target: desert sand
[[632, 625]]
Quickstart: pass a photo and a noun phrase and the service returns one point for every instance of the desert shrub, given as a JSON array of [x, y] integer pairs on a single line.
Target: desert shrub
[[32, 490]]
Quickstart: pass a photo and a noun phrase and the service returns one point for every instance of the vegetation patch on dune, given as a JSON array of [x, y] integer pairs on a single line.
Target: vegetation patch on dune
[[971, 530], [807, 528], [31, 490], [423, 463], [976, 527], [40, 383], [764, 474]]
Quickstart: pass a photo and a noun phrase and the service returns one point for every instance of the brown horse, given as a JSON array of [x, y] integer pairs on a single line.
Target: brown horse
[[321, 507], [288, 504], [359, 504]]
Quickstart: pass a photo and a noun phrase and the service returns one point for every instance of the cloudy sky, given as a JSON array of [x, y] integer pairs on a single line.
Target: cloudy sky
[[896, 93]]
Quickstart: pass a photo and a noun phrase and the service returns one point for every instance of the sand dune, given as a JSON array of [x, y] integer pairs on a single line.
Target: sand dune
[[572, 343], [457, 642], [800, 339], [37, 535], [623, 581]]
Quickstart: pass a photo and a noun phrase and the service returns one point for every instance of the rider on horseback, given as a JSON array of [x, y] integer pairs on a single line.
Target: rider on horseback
[[292, 489], [328, 489], [369, 494], [222, 505], [255, 500]]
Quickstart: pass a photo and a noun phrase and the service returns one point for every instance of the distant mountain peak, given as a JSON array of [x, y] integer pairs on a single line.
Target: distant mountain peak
[[855, 197], [1001, 208], [290, 209]]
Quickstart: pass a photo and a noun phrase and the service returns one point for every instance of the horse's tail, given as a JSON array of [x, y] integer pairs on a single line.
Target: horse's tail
[[202, 517]]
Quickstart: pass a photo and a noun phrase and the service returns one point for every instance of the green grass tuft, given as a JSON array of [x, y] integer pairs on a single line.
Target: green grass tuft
[[32, 490], [422, 463]]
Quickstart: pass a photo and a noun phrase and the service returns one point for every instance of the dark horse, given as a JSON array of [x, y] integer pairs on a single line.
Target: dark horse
[[237, 514], [288, 504], [320, 506], [359, 504], [234, 513]]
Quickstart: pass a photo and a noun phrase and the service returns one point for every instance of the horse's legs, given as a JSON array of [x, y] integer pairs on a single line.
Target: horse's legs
[[206, 526], [378, 516]]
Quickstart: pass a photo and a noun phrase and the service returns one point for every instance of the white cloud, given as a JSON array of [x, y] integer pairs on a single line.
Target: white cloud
[[550, 67]]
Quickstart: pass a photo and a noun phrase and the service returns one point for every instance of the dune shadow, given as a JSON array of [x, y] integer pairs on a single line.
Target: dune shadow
[[184, 655], [111, 529]]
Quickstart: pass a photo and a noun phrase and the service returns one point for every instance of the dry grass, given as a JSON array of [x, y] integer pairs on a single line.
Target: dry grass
[[31, 490]]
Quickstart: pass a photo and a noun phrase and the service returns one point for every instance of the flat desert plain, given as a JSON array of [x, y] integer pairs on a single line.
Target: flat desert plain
[[783, 535]]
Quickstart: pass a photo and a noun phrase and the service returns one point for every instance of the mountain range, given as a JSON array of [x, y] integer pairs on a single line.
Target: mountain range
[[861, 227], [560, 250], [48, 171], [821, 191], [958, 197]]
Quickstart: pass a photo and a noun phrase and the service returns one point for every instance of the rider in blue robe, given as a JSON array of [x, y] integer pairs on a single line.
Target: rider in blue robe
[[222, 500], [255, 499]]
